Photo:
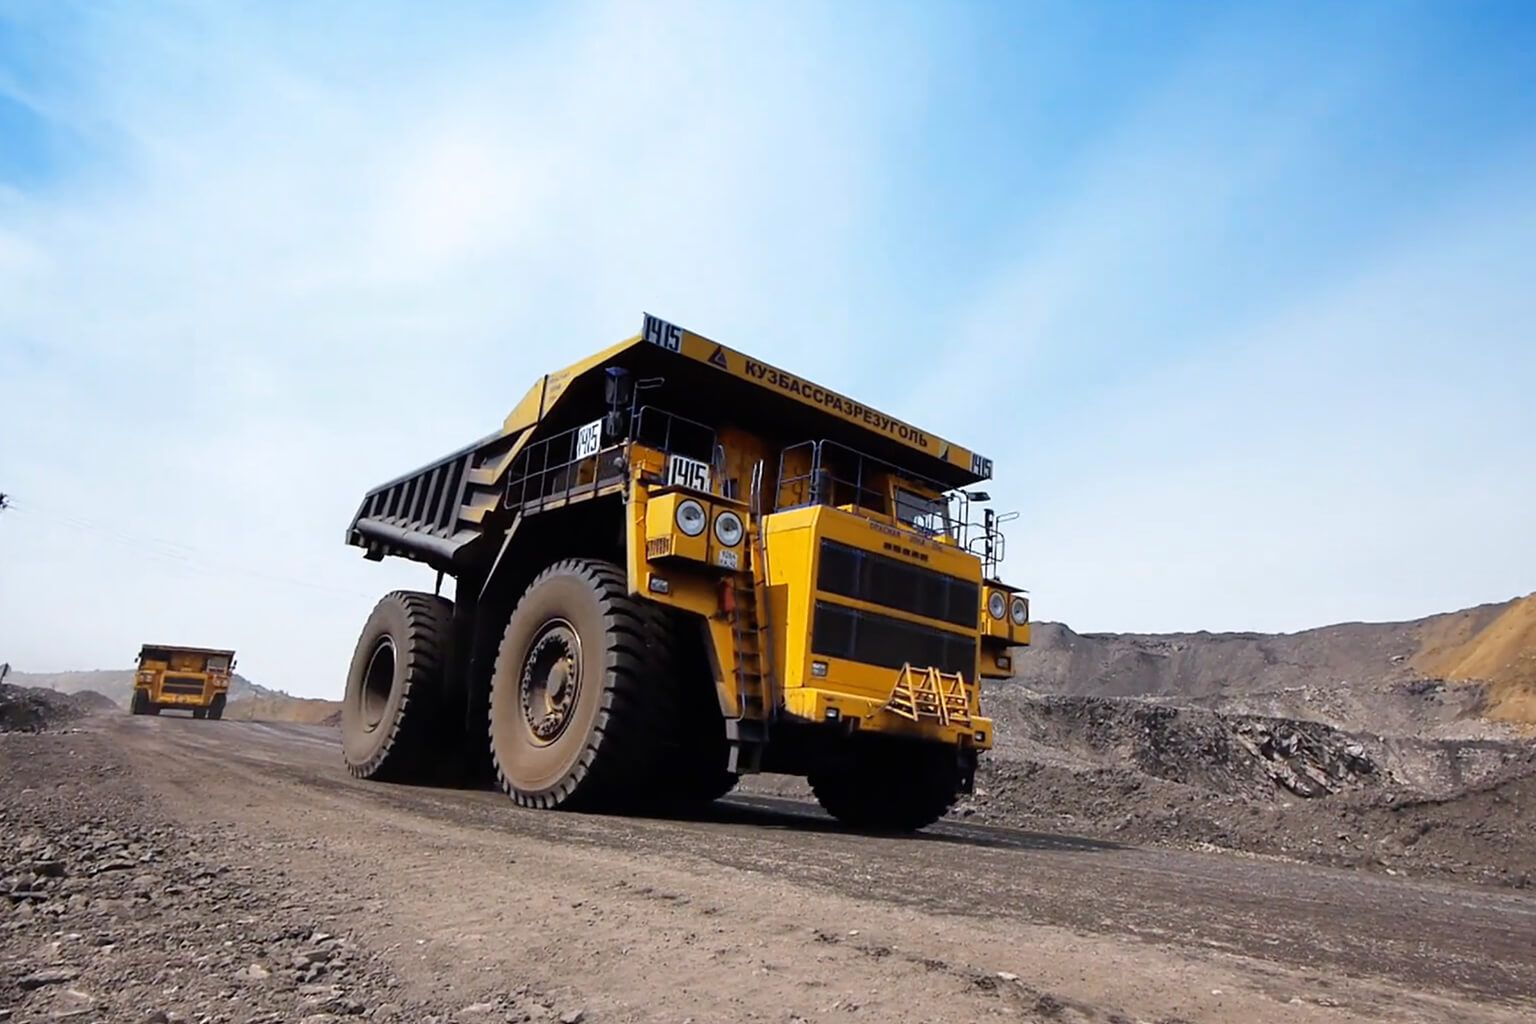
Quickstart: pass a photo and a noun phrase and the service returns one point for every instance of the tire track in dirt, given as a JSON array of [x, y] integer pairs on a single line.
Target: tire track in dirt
[[1294, 929]]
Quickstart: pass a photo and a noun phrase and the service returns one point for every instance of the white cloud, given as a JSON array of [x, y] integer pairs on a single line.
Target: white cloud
[[296, 270]]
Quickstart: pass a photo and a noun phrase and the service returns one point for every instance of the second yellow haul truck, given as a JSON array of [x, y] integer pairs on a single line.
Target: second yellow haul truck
[[673, 565], [170, 678]]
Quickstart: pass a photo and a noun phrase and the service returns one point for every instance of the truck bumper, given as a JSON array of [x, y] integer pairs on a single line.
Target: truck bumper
[[183, 700], [869, 715]]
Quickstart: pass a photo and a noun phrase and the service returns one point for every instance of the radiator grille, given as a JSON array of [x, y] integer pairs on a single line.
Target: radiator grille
[[877, 579], [854, 635]]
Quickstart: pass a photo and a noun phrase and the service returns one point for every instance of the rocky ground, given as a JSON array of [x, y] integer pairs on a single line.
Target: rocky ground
[[160, 869], [112, 911], [1140, 771]]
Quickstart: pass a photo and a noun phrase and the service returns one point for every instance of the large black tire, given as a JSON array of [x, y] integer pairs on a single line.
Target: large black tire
[[139, 704], [698, 775], [584, 710], [882, 785], [391, 712], [216, 709], [199, 713]]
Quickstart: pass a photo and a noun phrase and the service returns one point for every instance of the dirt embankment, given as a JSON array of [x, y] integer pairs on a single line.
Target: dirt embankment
[[1396, 746], [1500, 656], [1467, 674], [1144, 772], [283, 708], [28, 709], [248, 701]]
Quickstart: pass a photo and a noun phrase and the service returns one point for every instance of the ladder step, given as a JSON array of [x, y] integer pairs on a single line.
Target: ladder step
[[745, 730]]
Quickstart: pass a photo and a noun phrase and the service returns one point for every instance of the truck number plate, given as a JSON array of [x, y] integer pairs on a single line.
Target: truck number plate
[[658, 332], [589, 439], [685, 472], [728, 559]]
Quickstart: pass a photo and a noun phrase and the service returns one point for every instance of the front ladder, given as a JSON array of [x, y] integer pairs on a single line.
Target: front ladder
[[757, 701]]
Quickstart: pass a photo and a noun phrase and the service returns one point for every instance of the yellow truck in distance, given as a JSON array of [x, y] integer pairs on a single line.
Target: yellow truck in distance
[[673, 565], [194, 679]]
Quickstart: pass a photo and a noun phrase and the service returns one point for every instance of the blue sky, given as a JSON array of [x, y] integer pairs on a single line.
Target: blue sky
[[1239, 298]]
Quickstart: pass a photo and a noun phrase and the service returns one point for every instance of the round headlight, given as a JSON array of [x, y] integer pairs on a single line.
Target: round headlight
[[1020, 611], [997, 604], [728, 529], [691, 518]]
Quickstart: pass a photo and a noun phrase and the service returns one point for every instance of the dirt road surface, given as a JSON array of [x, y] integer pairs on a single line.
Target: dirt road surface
[[764, 910]]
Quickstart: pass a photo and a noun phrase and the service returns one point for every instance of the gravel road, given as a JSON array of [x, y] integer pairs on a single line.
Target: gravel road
[[262, 884]]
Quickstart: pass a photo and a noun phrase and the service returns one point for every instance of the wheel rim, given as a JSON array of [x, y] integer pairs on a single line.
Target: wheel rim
[[378, 684], [551, 680]]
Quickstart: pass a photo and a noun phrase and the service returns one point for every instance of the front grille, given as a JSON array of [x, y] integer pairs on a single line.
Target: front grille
[[182, 685], [876, 579], [853, 635]]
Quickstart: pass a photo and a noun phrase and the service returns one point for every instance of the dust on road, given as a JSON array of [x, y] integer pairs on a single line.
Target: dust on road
[[765, 910]]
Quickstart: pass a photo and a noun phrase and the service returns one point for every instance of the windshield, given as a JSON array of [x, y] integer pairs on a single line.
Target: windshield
[[926, 515]]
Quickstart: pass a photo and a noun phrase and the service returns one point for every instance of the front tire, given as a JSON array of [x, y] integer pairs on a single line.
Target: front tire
[[216, 709], [583, 708], [390, 713], [881, 785]]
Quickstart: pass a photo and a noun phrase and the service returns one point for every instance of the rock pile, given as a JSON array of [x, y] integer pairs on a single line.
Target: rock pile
[[27, 709]]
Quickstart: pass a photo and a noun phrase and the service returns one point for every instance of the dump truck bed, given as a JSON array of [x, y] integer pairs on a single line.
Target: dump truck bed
[[440, 513], [160, 652]]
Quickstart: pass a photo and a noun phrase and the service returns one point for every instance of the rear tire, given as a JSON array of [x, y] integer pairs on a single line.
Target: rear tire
[[391, 711], [883, 785], [584, 706]]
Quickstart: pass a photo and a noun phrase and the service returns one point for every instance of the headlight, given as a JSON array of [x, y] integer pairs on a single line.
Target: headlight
[[1020, 611], [691, 518], [728, 529], [997, 605]]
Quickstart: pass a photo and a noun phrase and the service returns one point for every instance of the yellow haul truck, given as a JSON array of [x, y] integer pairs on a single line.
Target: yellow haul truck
[[675, 564], [194, 679]]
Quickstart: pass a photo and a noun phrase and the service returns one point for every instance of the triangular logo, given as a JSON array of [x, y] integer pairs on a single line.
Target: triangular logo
[[718, 358]]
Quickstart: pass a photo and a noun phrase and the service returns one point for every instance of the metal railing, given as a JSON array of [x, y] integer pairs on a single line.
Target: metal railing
[[838, 475], [555, 471], [673, 434], [835, 475]]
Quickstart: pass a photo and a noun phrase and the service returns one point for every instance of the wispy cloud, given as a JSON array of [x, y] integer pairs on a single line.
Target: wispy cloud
[[265, 258], [302, 275]]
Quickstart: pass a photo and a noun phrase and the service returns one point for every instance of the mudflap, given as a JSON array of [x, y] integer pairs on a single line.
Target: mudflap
[[967, 757]]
